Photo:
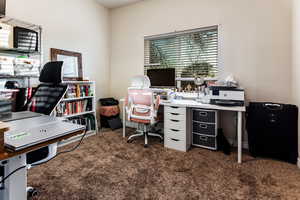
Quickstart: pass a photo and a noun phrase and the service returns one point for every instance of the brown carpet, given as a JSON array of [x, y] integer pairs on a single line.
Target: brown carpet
[[106, 167]]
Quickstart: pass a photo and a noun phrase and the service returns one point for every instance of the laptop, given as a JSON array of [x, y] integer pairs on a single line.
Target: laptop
[[29, 132]]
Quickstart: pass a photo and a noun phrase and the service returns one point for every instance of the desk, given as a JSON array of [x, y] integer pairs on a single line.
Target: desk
[[15, 185], [193, 104]]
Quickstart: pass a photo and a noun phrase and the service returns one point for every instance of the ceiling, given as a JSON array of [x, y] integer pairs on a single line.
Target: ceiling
[[116, 3]]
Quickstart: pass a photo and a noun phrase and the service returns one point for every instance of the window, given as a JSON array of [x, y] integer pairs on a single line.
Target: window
[[191, 53]]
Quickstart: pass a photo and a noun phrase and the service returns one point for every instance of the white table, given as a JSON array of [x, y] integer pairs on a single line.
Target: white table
[[194, 104]]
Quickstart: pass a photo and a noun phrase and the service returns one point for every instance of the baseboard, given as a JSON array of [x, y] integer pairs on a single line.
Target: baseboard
[[298, 163]]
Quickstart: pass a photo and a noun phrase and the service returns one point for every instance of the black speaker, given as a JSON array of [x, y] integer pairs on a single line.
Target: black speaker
[[273, 131]]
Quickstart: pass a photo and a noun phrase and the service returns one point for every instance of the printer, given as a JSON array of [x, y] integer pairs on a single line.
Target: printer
[[226, 96]]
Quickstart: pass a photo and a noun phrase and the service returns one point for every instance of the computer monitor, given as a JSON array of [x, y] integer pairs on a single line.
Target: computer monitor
[[162, 77]]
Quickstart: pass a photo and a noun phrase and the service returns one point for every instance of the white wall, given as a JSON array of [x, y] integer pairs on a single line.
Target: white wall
[[296, 59], [75, 25], [255, 41]]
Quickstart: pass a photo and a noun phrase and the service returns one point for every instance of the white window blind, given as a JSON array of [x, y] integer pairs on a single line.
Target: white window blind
[[191, 53]]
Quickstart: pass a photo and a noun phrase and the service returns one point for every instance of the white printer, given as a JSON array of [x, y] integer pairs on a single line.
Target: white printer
[[226, 96]]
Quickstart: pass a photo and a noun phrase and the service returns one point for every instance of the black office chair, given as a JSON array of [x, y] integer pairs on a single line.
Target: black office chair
[[44, 100]]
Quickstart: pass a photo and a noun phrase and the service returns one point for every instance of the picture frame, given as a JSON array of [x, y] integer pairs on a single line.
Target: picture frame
[[72, 67]]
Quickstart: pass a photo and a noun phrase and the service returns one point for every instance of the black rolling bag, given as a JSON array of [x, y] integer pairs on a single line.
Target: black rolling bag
[[273, 131]]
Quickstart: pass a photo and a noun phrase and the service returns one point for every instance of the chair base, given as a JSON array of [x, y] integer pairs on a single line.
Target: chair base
[[146, 134], [31, 192]]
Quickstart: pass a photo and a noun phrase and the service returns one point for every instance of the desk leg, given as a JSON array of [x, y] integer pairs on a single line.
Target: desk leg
[[15, 185], [239, 130], [124, 120]]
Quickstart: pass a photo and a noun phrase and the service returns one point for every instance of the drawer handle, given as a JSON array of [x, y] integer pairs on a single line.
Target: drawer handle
[[174, 120], [176, 140], [174, 130], [174, 107], [204, 114], [203, 138], [204, 126], [174, 113]]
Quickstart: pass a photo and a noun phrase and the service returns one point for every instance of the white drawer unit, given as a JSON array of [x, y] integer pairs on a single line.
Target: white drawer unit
[[176, 144], [175, 110], [175, 134], [175, 128], [175, 116]]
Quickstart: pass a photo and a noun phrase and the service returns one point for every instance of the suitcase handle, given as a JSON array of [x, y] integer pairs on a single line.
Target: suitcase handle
[[273, 106]]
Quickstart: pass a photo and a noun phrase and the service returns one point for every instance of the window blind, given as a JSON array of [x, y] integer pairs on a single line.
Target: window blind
[[191, 53]]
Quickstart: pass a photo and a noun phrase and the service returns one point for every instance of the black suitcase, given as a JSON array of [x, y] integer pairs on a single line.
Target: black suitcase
[[273, 131]]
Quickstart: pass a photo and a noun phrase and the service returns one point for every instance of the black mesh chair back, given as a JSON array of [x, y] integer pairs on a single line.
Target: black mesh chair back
[[49, 93]]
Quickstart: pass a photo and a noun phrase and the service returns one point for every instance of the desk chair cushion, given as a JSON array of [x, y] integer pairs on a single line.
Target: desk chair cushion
[[141, 106]]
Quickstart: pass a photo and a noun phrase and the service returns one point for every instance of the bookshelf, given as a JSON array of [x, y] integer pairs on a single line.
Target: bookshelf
[[79, 106]]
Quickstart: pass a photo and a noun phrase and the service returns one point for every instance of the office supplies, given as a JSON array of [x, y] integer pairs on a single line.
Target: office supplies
[[273, 130], [142, 108], [30, 132], [162, 77], [205, 128], [226, 96], [163, 93]]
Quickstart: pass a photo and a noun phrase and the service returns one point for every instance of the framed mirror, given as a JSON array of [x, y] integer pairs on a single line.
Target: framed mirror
[[72, 67]]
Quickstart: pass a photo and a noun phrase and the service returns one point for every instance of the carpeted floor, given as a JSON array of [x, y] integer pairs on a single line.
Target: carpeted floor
[[106, 167]]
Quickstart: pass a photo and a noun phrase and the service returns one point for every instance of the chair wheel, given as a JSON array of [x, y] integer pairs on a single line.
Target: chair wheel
[[32, 192], [146, 145], [129, 141]]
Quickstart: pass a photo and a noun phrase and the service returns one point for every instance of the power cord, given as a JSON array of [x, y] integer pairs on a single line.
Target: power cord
[[33, 165]]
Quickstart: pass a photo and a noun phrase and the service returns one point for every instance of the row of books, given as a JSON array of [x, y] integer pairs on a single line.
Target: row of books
[[78, 90], [86, 120], [69, 108]]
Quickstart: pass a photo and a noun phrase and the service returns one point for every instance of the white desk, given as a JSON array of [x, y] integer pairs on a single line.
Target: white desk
[[194, 104]]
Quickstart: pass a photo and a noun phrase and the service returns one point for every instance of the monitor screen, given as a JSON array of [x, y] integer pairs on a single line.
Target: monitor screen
[[162, 77]]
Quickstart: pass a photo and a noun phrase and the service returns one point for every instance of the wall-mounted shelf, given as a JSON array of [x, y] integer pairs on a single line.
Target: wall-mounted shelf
[[25, 75], [18, 52], [20, 23]]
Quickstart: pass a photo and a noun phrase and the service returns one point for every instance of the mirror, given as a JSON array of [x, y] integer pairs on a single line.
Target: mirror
[[72, 67]]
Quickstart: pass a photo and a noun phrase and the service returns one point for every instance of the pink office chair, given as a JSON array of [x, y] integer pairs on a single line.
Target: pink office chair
[[141, 107]]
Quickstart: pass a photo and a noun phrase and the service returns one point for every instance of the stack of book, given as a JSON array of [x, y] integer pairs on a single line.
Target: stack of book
[[7, 66], [26, 67], [6, 36], [69, 108], [78, 90]]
